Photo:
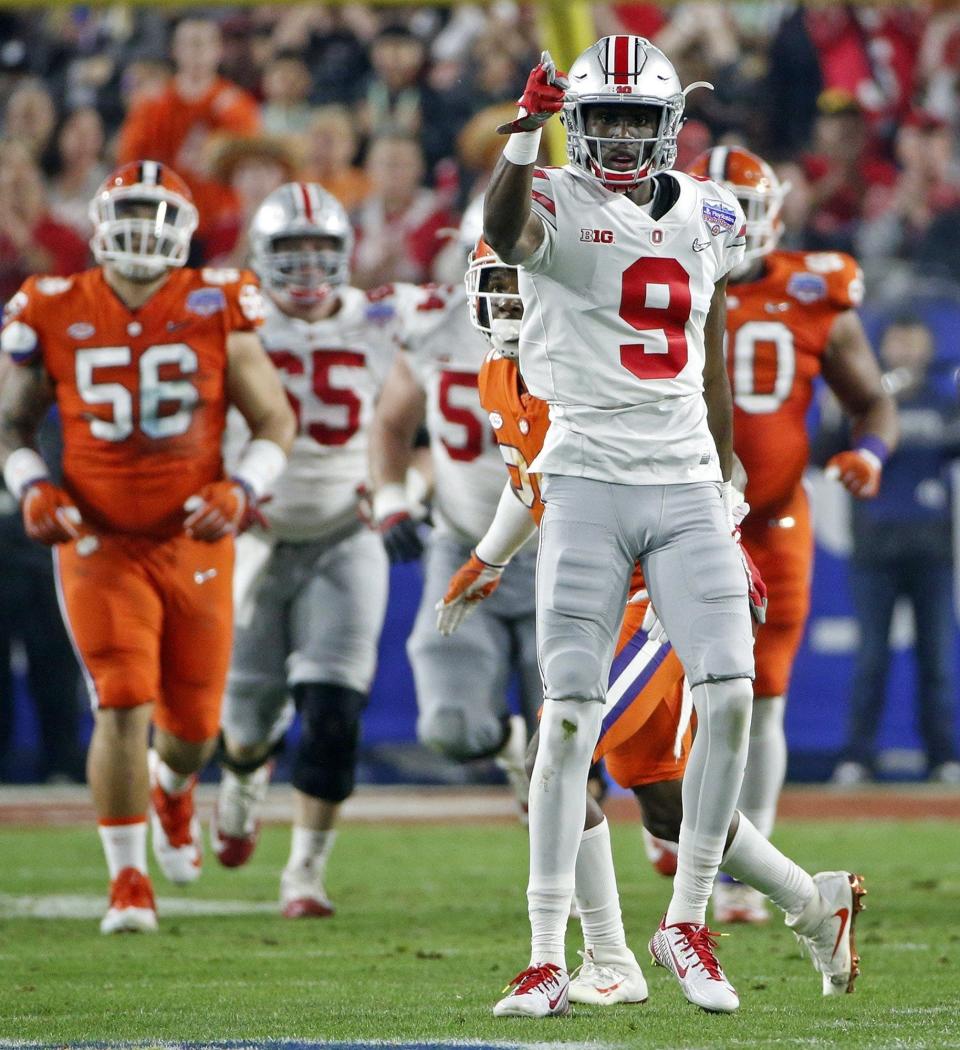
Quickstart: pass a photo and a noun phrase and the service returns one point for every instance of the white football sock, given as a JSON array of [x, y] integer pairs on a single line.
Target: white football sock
[[170, 780], [311, 849], [125, 846], [711, 785], [756, 861], [598, 901], [766, 764], [558, 805]]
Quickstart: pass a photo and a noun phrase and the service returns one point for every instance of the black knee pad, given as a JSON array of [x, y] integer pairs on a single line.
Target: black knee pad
[[325, 762], [222, 758]]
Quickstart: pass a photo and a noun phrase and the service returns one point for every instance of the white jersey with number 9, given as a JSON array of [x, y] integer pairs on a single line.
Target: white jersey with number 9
[[613, 331]]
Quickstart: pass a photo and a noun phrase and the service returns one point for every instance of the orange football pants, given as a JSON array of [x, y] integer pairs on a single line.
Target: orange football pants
[[151, 621], [781, 544]]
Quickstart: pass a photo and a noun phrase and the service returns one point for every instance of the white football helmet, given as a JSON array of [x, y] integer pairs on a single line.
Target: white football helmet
[[143, 217], [496, 314], [624, 71], [301, 276]]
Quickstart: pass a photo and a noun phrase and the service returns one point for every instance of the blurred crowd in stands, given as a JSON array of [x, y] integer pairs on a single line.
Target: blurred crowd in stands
[[393, 109]]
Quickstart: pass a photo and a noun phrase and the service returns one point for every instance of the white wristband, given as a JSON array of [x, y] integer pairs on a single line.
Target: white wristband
[[390, 499], [260, 465], [23, 467], [523, 147]]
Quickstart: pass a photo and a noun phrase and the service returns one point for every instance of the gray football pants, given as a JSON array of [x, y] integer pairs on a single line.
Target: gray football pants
[[591, 534]]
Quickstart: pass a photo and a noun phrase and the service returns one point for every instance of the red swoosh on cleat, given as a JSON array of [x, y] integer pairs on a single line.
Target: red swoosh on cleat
[[554, 1002], [612, 988], [681, 971], [843, 914]]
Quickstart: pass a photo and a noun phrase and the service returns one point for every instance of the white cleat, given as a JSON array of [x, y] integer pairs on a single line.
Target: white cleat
[[512, 759], [538, 991], [175, 828], [234, 826], [605, 983], [686, 949], [735, 902], [302, 895], [132, 908], [830, 941]]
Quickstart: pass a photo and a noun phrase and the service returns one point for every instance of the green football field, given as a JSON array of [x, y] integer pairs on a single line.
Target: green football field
[[431, 925]]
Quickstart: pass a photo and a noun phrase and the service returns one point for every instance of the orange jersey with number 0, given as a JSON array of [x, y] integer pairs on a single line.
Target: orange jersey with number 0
[[778, 328]]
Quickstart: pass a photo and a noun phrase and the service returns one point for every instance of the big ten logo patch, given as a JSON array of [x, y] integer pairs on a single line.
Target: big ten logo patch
[[596, 236]]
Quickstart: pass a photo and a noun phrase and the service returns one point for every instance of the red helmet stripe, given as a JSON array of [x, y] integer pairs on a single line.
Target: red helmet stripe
[[305, 200], [621, 50]]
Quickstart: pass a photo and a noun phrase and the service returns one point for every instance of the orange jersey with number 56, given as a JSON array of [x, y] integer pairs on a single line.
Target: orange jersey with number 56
[[778, 328], [141, 393]]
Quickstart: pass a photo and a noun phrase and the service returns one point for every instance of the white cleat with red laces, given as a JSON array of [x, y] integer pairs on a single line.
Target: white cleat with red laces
[[538, 991], [175, 828], [600, 982], [825, 929], [132, 908], [687, 950]]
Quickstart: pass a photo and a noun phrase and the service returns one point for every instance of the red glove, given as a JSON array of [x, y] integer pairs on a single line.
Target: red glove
[[222, 508], [858, 470], [469, 585], [542, 97], [756, 588], [49, 515]]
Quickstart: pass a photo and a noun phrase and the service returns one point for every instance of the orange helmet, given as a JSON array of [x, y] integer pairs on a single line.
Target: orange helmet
[[756, 185], [495, 313], [143, 217]]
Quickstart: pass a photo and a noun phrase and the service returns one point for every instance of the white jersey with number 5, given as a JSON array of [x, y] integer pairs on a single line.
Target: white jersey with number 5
[[615, 302], [445, 353], [332, 371]]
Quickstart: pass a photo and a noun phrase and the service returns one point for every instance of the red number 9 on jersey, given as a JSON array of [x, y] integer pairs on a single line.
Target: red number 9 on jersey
[[655, 300]]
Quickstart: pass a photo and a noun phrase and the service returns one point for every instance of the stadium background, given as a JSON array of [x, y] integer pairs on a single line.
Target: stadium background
[[780, 70]]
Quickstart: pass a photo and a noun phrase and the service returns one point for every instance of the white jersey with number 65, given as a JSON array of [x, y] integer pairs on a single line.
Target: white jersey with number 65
[[332, 371], [445, 353], [615, 302]]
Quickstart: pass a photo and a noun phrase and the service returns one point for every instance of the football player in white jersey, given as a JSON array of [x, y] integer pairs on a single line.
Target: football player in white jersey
[[623, 273], [310, 593], [461, 682]]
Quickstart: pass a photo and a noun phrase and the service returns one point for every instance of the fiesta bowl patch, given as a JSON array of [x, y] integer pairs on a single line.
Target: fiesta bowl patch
[[206, 301], [718, 216], [807, 287]]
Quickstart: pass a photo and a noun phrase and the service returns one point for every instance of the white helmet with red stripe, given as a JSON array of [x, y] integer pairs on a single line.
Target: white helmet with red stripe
[[143, 217], [301, 242], [624, 71]]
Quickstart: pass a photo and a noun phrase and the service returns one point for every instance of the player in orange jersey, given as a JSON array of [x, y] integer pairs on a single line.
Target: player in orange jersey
[[644, 736], [791, 316], [142, 357]]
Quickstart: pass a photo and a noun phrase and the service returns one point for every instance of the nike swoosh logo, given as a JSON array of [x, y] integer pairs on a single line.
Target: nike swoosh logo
[[681, 971], [555, 1002], [843, 914], [612, 988], [699, 246], [173, 326]]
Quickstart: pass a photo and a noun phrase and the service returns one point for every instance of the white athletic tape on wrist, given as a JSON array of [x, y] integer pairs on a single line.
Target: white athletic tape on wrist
[[390, 499], [523, 147], [260, 465], [23, 467]]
